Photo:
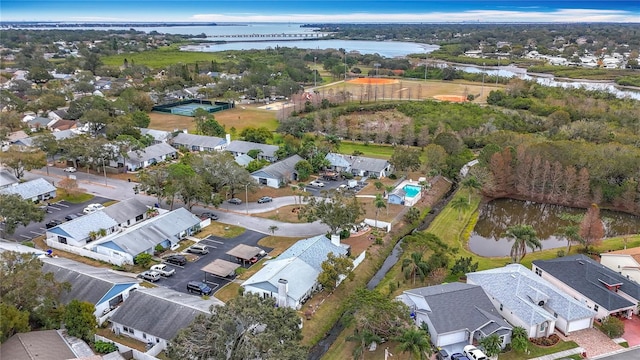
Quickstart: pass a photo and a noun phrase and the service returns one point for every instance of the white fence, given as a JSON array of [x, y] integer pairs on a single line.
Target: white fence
[[379, 224], [137, 354], [84, 252]]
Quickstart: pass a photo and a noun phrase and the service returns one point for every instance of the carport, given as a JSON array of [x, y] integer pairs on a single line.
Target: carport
[[244, 253], [220, 268]]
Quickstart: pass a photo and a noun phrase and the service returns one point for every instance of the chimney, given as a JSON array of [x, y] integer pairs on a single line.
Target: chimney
[[335, 239], [283, 291], [228, 137]]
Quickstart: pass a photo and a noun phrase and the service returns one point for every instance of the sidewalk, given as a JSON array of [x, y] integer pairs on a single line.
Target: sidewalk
[[560, 354]]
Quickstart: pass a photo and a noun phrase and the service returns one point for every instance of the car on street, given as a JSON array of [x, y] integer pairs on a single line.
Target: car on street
[[70, 169], [317, 183], [210, 215], [265, 199], [150, 275], [71, 217], [163, 269], [91, 208], [199, 288], [176, 259], [53, 223], [234, 201]]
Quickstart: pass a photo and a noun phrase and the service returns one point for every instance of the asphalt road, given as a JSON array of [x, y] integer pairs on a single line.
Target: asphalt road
[[627, 354]]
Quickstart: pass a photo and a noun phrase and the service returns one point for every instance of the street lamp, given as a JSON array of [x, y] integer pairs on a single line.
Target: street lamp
[[104, 170], [246, 197]]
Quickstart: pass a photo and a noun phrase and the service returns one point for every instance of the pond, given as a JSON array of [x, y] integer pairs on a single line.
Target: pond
[[497, 215]]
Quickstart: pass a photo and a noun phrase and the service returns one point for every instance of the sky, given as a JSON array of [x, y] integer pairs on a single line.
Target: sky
[[320, 11]]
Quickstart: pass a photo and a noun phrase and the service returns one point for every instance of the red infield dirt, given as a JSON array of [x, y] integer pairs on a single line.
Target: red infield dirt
[[452, 98], [373, 81]]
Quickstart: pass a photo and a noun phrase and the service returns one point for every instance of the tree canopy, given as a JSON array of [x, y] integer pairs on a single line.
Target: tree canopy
[[338, 211], [14, 211]]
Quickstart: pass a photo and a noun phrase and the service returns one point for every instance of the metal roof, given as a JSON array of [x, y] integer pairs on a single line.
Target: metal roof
[[244, 252], [281, 169], [244, 147], [210, 142], [220, 267], [80, 228], [150, 152], [125, 210], [30, 189]]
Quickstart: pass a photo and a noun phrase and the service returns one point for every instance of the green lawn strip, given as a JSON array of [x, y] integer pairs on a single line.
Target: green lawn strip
[[370, 150], [72, 198], [537, 351]]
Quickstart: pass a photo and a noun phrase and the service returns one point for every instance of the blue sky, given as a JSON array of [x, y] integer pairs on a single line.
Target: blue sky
[[321, 10]]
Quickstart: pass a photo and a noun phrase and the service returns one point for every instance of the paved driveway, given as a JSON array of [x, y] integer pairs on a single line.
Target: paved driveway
[[593, 341], [217, 250], [632, 330]]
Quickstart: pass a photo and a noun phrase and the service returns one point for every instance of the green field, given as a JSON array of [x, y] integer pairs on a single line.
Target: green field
[[370, 150], [161, 57]]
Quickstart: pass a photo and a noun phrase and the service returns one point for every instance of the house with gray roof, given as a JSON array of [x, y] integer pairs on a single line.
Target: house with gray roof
[[278, 173], [151, 155], [475, 315], [239, 147], [527, 300], [159, 136], [102, 287], [36, 123], [198, 142], [35, 190], [80, 231], [243, 160], [165, 229], [41, 345], [7, 179], [139, 317], [293, 276], [359, 165], [593, 284], [127, 212]]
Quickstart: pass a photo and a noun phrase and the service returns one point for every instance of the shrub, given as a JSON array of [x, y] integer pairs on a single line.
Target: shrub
[[392, 176], [143, 259], [345, 234], [612, 327], [159, 248], [104, 347], [560, 253]]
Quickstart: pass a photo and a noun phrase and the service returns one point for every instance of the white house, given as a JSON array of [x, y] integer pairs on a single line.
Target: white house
[[359, 165], [267, 152], [77, 232], [293, 276], [159, 136], [527, 300], [626, 262], [279, 173], [199, 142], [127, 212], [35, 190], [151, 155], [7, 179]]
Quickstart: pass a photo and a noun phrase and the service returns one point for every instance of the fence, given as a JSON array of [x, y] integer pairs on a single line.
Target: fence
[[52, 243], [137, 354]]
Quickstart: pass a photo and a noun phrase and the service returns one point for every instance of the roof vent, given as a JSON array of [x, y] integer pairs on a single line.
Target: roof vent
[[541, 303], [580, 262]]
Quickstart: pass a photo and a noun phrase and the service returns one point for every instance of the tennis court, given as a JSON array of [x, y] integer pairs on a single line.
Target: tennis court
[[187, 108]]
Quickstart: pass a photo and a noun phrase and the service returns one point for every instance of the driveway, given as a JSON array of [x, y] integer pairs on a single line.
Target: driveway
[[593, 341], [217, 250], [632, 330]]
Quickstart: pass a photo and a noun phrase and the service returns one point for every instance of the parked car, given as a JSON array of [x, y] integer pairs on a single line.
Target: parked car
[[253, 260], [442, 355], [234, 201], [198, 249], [91, 208], [265, 199], [70, 169], [317, 183], [199, 288], [210, 215], [458, 356], [71, 217], [473, 353], [176, 260], [163, 269], [53, 223], [150, 275]]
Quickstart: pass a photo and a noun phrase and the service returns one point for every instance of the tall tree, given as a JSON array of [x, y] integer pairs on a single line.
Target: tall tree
[[333, 269], [405, 158], [363, 339], [471, 183], [460, 204], [247, 327], [378, 203], [372, 311], [20, 160], [415, 266], [591, 227], [15, 210], [339, 211], [415, 342], [154, 181], [79, 320], [572, 234], [48, 144], [523, 236]]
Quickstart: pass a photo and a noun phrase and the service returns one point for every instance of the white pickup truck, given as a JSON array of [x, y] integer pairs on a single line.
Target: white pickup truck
[[163, 269]]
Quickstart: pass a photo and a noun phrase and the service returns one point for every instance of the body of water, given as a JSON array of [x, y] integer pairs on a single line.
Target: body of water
[[496, 216]]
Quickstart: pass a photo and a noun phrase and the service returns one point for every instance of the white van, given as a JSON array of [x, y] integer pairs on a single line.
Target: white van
[[198, 249]]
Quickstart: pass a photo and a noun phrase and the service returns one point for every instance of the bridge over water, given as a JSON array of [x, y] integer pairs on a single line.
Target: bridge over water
[[266, 37]]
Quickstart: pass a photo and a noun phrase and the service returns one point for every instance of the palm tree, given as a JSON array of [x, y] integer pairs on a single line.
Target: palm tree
[[524, 237], [460, 204], [273, 229], [572, 234], [519, 339], [364, 338], [415, 266], [471, 183], [415, 342], [378, 202]]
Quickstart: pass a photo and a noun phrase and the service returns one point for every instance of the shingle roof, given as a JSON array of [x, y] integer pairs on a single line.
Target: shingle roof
[[586, 276], [246, 146], [357, 162], [313, 251], [30, 189], [158, 135], [471, 306], [41, 345], [337, 160], [81, 227], [88, 283], [7, 178], [125, 210], [281, 169], [150, 152], [149, 312], [520, 291], [210, 142], [243, 159]]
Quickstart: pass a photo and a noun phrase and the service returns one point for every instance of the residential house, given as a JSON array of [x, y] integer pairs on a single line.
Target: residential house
[[102, 287], [164, 230], [595, 285], [199, 142], [128, 212], [138, 316], [159, 136], [81, 231], [243, 160], [41, 345], [60, 114], [60, 125], [397, 196], [35, 190], [7, 179], [36, 123], [292, 277], [140, 159], [267, 152], [626, 262], [278, 173], [359, 165], [456, 315], [527, 300]]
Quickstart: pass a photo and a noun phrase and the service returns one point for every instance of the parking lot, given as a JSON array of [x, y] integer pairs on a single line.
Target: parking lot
[[217, 250], [55, 211]]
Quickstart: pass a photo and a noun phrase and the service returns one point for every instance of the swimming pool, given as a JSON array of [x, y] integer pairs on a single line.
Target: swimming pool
[[411, 190]]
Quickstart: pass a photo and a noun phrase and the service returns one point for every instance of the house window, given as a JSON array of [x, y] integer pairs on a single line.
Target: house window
[[139, 217], [555, 315], [538, 271], [543, 326], [596, 307], [144, 336]]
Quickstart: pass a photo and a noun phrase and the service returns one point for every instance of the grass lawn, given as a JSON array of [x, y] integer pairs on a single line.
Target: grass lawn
[[221, 230], [284, 214], [228, 292], [74, 198], [161, 57], [537, 351], [370, 150], [122, 339]]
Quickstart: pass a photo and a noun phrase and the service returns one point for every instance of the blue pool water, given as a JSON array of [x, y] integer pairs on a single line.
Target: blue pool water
[[411, 190]]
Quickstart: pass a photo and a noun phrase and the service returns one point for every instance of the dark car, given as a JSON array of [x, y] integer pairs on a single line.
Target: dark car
[[52, 224], [199, 288], [176, 259], [210, 215], [71, 217], [234, 201], [458, 356], [265, 199]]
